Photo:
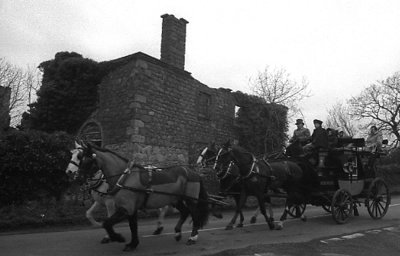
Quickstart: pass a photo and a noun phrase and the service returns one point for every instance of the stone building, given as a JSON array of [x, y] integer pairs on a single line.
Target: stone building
[[5, 94], [154, 111]]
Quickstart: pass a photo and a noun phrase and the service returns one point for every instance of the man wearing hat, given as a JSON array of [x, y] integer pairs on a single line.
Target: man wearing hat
[[319, 138], [301, 134]]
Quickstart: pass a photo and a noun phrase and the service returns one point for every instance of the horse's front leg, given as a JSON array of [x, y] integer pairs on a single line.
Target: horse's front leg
[[184, 213], [133, 225], [240, 201], [161, 216], [108, 224], [261, 202], [89, 214]]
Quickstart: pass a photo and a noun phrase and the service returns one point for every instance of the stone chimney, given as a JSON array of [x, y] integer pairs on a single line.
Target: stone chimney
[[173, 41]]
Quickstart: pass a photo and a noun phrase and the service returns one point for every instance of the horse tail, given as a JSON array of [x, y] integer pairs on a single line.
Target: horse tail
[[202, 206]]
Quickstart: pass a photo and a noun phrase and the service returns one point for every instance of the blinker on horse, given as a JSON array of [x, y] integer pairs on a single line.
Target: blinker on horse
[[137, 188]]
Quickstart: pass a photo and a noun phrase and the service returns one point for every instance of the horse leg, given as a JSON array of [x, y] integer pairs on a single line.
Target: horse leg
[[261, 204], [108, 224], [184, 213], [133, 225], [216, 212], [240, 201], [271, 213], [241, 219], [255, 214], [110, 206], [162, 212], [89, 214]]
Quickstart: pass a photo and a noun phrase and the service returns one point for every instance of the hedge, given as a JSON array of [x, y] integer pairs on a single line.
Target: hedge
[[32, 166]]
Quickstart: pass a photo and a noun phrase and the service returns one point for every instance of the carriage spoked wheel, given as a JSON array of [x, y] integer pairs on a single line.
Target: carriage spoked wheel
[[296, 210], [378, 199], [342, 206]]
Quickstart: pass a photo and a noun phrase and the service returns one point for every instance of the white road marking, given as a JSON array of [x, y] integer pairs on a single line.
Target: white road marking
[[389, 228], [356, 235], [352, 236], [376, 231]]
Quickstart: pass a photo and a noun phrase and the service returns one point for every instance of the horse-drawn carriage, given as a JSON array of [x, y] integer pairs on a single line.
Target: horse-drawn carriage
[[338, 182], [347, 179]]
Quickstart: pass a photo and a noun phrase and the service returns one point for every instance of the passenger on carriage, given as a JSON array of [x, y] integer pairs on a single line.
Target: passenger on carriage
[[374, 140], [301, 134], [319, 138], [332, 138]]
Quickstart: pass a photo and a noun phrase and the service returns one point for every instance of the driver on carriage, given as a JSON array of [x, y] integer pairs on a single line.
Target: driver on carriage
[[301, 134], [319, 139]]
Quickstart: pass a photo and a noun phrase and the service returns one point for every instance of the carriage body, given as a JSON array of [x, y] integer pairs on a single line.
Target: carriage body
[[347, 178]]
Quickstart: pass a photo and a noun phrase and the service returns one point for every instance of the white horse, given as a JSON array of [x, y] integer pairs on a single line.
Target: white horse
[[98, 187]]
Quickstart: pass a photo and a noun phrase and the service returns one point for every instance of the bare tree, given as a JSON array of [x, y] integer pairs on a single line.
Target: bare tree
[[379, 104], [23, 83], [339, 117], [277, 86]]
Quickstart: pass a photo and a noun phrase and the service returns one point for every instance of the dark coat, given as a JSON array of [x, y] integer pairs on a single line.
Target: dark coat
[[320, 138]]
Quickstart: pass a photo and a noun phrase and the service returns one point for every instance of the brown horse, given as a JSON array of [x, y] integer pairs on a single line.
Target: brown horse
[[257, 176], [139, 188]]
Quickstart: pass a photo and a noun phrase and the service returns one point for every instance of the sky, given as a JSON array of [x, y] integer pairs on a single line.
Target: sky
[[340, 47]]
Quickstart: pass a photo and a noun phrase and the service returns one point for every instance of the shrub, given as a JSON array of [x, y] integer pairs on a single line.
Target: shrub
[[32, 166]]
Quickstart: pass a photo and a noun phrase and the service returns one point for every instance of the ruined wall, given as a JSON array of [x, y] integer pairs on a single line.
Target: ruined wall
[[5, 94], [157, 114]]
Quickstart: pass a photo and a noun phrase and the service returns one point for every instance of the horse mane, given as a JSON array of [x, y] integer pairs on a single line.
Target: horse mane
[[105, 150], [242, 151]]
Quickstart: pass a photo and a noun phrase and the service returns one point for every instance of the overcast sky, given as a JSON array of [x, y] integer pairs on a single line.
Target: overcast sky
[[339, 46]]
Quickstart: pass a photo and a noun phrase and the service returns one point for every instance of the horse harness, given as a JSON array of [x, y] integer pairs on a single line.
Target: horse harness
[[148, 189], [98, 182]]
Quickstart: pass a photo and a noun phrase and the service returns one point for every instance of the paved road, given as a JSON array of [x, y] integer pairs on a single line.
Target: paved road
[[320, 235]]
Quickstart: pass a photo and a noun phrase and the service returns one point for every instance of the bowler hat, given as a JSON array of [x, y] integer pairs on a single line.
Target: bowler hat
[[317, 121], [299, 121]]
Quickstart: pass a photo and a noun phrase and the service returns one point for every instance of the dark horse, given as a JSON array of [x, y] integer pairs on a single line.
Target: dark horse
[[259, 176], [230, 185], [137, 188]]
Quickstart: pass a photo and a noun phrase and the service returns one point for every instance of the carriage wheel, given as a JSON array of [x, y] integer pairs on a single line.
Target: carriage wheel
[[327, 207], [378, 199], [296, 210], [342, 206]]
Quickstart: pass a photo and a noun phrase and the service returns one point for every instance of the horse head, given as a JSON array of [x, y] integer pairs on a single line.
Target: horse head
[[223, 158], [82, 163], [73, 166], [207, 155]]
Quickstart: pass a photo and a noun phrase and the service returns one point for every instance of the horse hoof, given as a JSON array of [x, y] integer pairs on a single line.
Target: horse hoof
[[278, 225], [253, 220], [190, 242], [158, 231], [240, 225], [229, 227], [178, 237], [130, 247], [105, 240], [117, 238], [303, 218]]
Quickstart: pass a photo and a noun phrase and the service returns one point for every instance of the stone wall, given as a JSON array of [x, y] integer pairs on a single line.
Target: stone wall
[[157, 114], [5, 94]]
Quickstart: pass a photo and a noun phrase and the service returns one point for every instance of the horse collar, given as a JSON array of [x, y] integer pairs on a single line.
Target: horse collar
[[252, 168]]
